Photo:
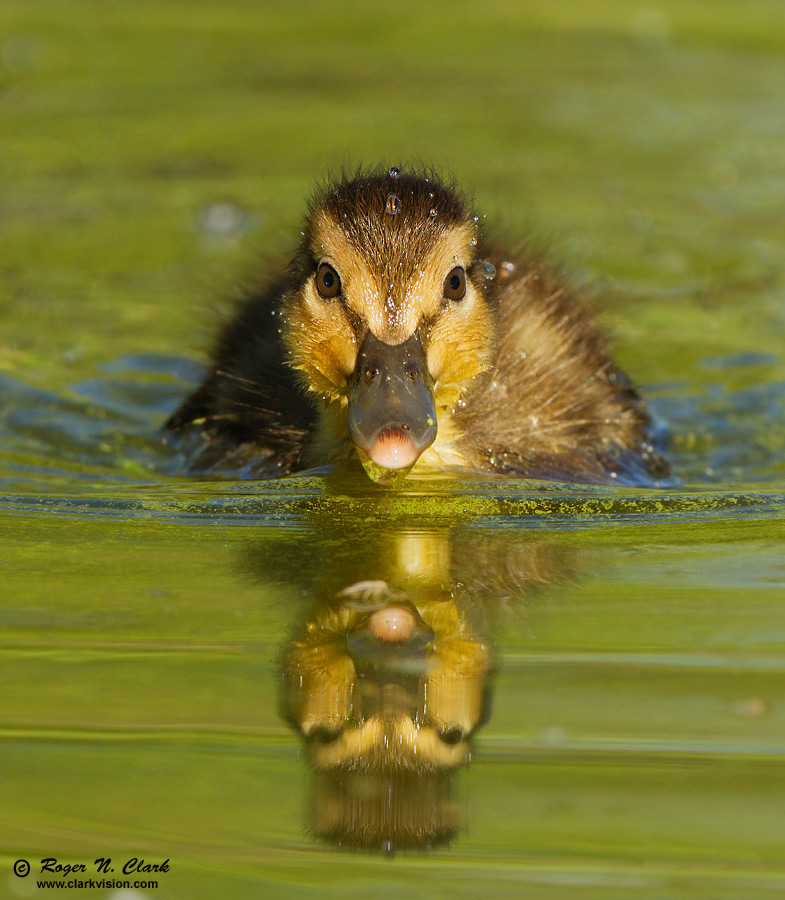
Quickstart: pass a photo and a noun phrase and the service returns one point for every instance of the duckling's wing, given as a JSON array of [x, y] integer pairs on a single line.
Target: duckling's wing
[[250, 414], [554, 405]]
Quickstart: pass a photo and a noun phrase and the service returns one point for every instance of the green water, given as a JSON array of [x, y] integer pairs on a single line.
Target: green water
[[635, 736]]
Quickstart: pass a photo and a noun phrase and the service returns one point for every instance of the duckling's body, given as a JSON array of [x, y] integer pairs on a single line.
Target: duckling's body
[[400, 335]]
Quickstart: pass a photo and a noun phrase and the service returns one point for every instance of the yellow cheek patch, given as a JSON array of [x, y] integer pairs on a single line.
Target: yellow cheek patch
[[321, 343], [461, 345]]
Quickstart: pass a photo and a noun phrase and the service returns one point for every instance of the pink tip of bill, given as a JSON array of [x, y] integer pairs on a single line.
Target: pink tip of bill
[[393, 449], [392, 625]]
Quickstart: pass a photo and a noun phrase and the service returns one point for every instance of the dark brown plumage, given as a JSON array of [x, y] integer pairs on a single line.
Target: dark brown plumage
[[399, 334]]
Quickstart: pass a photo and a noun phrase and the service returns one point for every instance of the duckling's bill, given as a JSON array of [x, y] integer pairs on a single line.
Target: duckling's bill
[[392, 417]]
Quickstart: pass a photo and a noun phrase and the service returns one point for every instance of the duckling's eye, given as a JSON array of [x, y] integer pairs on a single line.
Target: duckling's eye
[[327, 282], [455, 284]]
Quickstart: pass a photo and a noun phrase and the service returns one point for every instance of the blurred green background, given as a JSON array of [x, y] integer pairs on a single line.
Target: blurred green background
[[149, 148]]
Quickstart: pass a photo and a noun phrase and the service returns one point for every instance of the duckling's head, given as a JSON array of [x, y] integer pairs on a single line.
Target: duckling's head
[[390, 319]]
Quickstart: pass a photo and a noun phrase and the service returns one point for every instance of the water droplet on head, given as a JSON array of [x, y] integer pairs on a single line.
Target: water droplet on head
[[393, 205], [476, 218], [432, 213], [473, 242], [394, 172], [487, 269]]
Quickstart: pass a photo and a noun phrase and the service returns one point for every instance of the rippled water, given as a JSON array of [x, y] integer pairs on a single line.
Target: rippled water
[[617, 657], [601, 713]]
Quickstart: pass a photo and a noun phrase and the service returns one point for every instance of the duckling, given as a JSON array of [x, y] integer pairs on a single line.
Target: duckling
[[402, 337]]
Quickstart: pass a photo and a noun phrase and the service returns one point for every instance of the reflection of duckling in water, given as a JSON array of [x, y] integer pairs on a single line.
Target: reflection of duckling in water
[[425, 344], [387, 696], [388, 681]]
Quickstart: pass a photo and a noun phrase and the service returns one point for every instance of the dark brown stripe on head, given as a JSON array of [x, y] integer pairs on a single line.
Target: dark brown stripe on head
[[395, 220]]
